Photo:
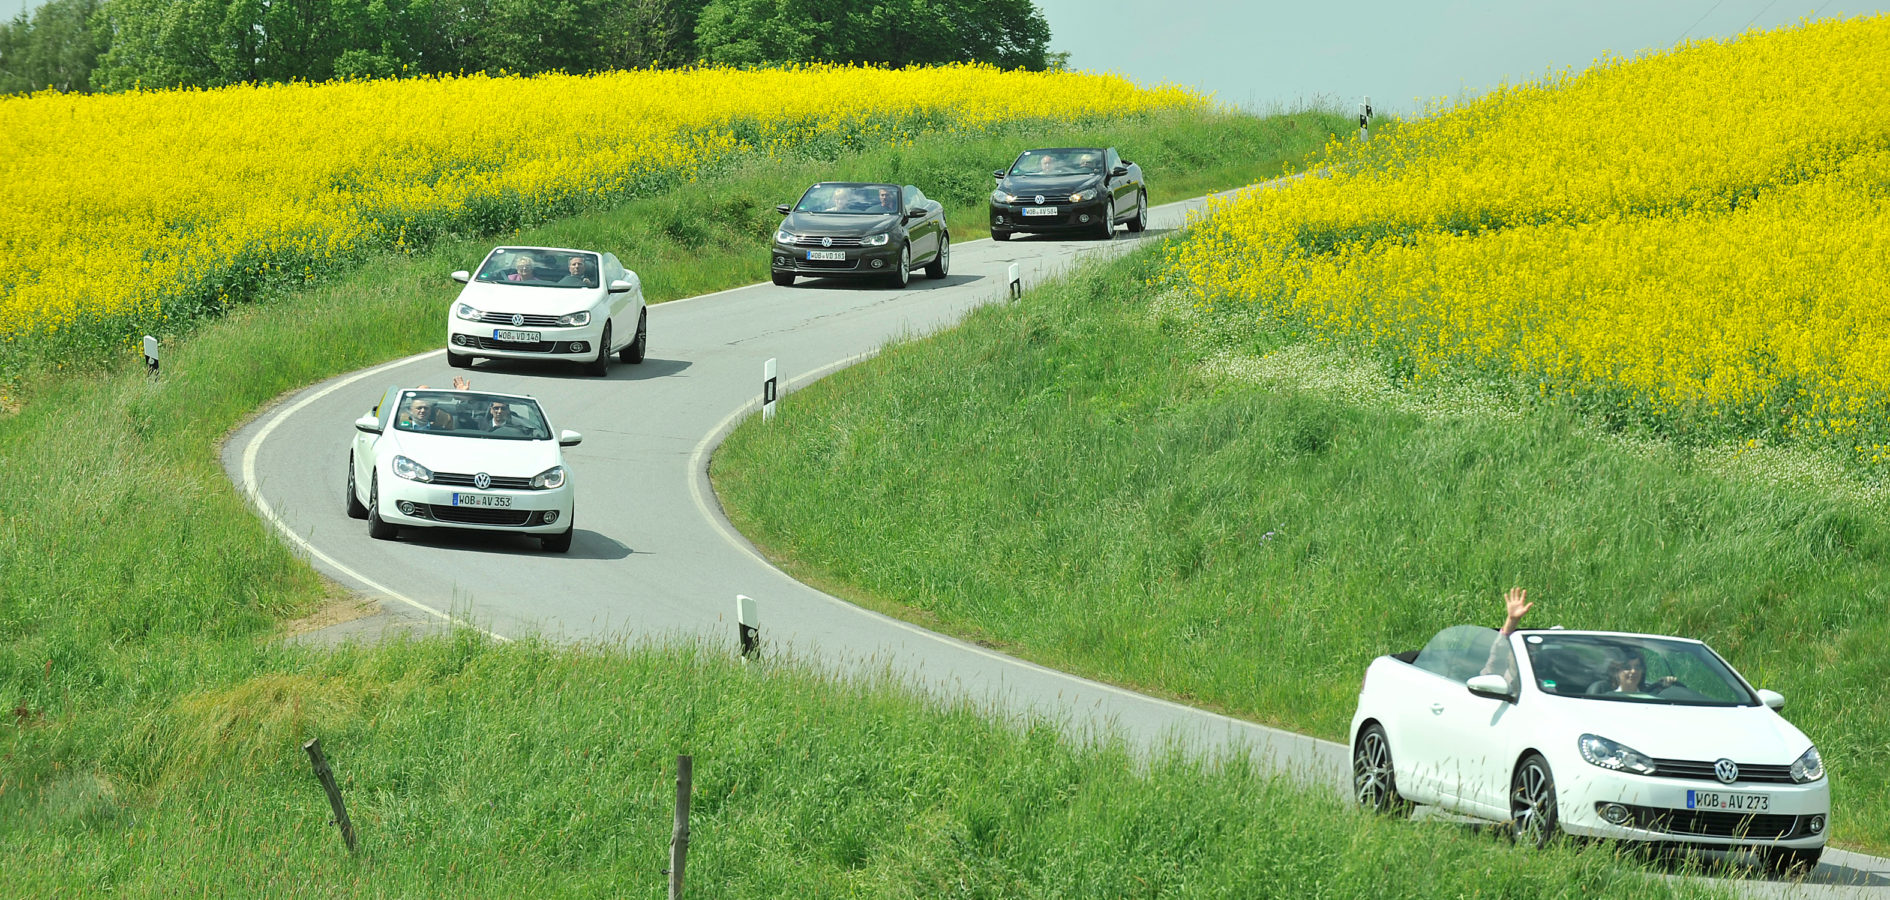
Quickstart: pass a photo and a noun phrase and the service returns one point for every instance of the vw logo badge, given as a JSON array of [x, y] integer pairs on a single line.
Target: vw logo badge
[[518, 319], [826, 242], [483, 481], [1726, 771], [1039, 198]]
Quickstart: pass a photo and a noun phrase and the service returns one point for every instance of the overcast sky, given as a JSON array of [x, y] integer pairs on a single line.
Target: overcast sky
[[1266, 55]]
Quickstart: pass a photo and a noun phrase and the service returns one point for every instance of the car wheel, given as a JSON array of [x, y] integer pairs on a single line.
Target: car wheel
[[941, 264], [1791, 861], [1373, 784], [560, 542], [601, 365], [902, 276], [1109, 220], [633, 353], [997, 235], [355, 509], [378, 528], [458, 360], [1140, 222], [784, 279], [1532, 812]]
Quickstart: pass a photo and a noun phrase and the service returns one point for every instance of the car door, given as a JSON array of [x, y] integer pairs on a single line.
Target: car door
[[363, 455]]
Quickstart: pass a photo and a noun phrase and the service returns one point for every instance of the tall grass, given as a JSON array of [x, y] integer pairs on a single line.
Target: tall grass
[[1076, 478]]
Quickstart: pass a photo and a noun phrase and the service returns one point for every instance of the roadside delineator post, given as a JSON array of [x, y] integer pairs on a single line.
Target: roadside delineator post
[[1016, 282], [1365, 118], [767, 390], [748, 626], [327, 776], [679, 836], [151, 354]]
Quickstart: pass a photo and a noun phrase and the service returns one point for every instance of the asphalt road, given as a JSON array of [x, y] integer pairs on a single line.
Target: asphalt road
[[654, 556]]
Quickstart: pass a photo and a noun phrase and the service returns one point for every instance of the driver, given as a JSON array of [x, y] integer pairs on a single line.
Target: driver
[[888, 200]]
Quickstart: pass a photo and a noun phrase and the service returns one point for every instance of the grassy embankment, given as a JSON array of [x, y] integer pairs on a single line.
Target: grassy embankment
[[152, 743]]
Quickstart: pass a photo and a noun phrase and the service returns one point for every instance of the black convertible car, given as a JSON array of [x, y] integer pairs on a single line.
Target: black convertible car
[[858, 229], [1065, 189]]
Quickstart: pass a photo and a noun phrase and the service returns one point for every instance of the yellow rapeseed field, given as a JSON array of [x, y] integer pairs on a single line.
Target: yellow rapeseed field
[[131, 208], [1698, 237]]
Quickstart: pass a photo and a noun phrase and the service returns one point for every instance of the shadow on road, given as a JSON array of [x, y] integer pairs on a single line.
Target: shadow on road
[[584, 544]]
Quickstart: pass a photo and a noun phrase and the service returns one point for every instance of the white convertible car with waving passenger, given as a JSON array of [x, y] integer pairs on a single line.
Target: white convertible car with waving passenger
[[1603, 734]]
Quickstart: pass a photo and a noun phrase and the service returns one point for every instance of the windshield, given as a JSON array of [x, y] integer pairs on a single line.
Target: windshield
[[462, 414], [857, 199], [1058, 162], [538, 267], [1626, 669]]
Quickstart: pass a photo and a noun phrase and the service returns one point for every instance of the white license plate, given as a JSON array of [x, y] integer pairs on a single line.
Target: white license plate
[[1728, 802], [830, 255], [1040, 210], [486, 500], [517, 337]]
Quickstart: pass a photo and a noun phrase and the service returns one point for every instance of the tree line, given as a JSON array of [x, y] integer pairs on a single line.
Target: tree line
[[116, 45]]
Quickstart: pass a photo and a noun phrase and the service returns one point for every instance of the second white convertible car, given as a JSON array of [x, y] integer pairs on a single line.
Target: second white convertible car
[[461, 459], [1602, 734], [548, 303]]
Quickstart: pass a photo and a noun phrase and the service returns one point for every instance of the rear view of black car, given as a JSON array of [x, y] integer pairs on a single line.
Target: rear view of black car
[[1085, 190], [858, 229]]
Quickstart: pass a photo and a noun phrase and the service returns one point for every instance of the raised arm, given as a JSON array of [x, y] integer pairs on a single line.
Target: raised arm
[[1515, 604]]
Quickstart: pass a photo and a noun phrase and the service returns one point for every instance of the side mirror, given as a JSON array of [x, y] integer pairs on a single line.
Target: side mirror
[[783, 208], [997, 174], [1119, 170], [1495, 687], [462, 276], [621, 287], [1773, 699], [368, 425], [914, 213], [569, 438]]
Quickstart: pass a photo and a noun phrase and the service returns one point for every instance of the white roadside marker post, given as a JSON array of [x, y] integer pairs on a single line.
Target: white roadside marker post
[[767, 390], [748, 626], [1365, 118], [151, 354], [1016, 282]]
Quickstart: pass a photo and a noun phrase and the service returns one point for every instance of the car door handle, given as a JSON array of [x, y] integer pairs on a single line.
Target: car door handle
[[1437, 709]]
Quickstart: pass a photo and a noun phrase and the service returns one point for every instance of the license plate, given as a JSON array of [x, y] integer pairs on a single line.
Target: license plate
[[1728, 802], [486, 500], [829, 255], [1040, 210], [517, 337]]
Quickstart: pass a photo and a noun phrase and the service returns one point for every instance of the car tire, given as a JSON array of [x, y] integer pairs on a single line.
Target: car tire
[[1109, 220], [378, 528], [1374, 786], [1140, 223], [941, 264], [1792, 862], [355, 509], [902, 275], [601, 365], [784, 279], [1533, 818], [633, 352], [560, 542], [997, 235], [459, 360]]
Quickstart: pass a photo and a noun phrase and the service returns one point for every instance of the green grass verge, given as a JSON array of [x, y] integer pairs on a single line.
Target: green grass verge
[[153, 724], [1192, 503]]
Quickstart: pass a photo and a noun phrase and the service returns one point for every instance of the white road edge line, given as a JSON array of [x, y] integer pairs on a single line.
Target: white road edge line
[[250, 487]]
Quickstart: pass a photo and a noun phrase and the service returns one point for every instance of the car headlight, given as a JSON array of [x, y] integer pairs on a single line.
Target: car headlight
[[410, 470], [784, 237], [1001, 197], [576, 318], [549, 479], [467, 311], [1809, 767], [1610, 755], [877, 240], [1081, 196]]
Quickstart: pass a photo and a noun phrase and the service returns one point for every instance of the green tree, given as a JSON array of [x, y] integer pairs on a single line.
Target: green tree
[[1010, 34], [55, 49]]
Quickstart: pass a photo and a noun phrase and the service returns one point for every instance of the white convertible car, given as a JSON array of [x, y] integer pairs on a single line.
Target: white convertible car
[[1601, 734], [461, 459], [548, 303]]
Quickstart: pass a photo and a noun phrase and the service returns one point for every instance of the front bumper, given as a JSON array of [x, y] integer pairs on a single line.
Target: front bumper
[[1655, 809], [419, 504], [468, 338], [854, 261], [1083, 216]]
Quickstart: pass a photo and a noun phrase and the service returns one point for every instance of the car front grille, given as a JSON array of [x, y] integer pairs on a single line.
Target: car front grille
[[806, 241], [499, 482], [479, 515], [1703, 771], [486, 343], [827, 263], [1709, 823], [530, 320]]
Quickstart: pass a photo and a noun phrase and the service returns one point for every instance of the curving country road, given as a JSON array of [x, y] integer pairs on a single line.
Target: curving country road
[[653, 554]]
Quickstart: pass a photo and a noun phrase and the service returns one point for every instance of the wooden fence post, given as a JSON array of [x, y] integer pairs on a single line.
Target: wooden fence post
[[679, 838], [315, 757]]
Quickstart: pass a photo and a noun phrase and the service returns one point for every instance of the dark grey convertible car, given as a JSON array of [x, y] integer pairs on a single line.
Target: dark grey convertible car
[[861, 229], [1068, 189]]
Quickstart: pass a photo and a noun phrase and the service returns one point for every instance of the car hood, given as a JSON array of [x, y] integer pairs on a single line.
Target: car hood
[[539, 300], [1027, 185], [1747, 734], [841, 225], [472, 455]]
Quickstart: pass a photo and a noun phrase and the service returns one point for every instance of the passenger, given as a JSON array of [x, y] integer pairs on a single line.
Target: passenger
[[1502, 660], [1046, 164], [524, 268], [423, 415], [1627, 672]]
